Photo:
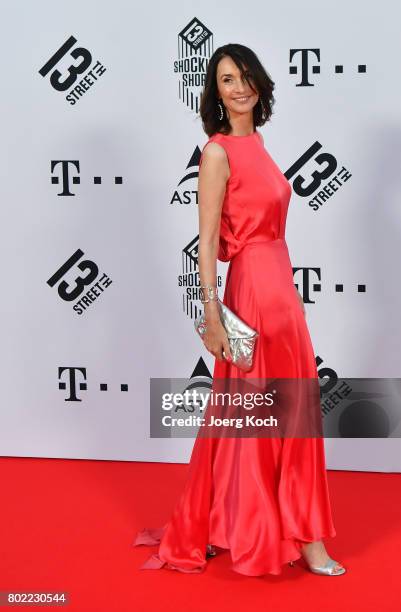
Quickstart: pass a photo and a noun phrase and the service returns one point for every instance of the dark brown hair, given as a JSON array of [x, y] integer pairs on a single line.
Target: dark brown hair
[[246, 60]]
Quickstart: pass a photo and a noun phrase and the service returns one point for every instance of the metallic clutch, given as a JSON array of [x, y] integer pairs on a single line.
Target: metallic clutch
[[241, 337]]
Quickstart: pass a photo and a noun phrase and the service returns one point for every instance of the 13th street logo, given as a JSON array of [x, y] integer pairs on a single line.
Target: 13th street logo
[[77, 76], [83, 289], [316, 175], [195, 46], [189, 279]]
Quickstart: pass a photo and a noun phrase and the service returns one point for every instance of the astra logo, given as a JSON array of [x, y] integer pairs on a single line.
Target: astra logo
[[83, 289], [308, 285], [193, 394], [195, 46], [190, 281], [305, 62], [184, 194], [316, 175], [73, 380], [66, 171], [202, 380], [71, 69]]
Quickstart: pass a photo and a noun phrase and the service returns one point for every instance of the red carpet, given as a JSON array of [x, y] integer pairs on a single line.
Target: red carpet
[[68, 525]]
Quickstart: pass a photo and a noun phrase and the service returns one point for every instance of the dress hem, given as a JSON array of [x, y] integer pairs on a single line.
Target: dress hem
[[152, 536]]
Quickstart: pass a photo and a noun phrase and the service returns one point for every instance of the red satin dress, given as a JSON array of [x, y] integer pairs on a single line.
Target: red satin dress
[[260, 498]]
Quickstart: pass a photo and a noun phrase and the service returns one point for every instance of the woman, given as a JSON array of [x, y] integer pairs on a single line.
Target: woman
[[264, 499]]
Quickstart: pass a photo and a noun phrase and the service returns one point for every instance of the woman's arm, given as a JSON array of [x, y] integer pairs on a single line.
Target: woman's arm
[[214, 172]]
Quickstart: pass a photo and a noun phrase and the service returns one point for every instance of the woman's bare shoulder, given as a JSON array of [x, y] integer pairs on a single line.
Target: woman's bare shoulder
[[216, 156], [215, 150]]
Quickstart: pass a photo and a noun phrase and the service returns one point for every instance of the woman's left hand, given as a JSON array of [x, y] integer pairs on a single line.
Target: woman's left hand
[[301, 301]]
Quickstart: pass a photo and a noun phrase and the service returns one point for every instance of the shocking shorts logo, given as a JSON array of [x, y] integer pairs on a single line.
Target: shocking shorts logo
[[190, 280], [195, 47]]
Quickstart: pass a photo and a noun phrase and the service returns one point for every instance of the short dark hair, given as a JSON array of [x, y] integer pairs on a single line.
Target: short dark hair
[[246, 60]]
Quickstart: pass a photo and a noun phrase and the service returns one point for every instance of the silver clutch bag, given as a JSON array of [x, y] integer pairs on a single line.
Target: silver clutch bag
[[241, 337]]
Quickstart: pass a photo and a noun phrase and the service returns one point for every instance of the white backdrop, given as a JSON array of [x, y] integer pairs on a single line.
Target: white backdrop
[[135, 116]]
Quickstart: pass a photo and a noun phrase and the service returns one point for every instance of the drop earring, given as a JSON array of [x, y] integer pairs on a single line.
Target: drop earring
[[263, 110], [220, 107]]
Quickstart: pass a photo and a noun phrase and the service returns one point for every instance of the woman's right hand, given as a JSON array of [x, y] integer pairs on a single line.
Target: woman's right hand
[[216, 341]]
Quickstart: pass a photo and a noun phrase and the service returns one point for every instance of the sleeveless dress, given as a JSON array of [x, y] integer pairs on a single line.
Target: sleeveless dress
[[261, 498]]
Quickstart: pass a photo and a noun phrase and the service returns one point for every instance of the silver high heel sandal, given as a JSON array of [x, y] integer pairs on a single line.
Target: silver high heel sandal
[[324, 570], [210, 550]]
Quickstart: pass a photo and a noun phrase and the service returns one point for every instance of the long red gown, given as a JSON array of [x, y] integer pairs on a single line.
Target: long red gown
[[261, 498]]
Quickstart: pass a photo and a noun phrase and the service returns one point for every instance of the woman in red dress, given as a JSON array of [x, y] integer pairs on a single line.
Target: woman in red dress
[[264, 499]]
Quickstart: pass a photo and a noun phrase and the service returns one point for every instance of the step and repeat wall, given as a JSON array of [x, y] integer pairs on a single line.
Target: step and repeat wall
[[101, 141]]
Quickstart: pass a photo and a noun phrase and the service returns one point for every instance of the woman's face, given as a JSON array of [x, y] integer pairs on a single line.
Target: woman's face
[[235, 92]]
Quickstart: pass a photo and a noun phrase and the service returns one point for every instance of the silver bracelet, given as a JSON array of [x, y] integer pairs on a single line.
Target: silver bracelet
[[212, 293]]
